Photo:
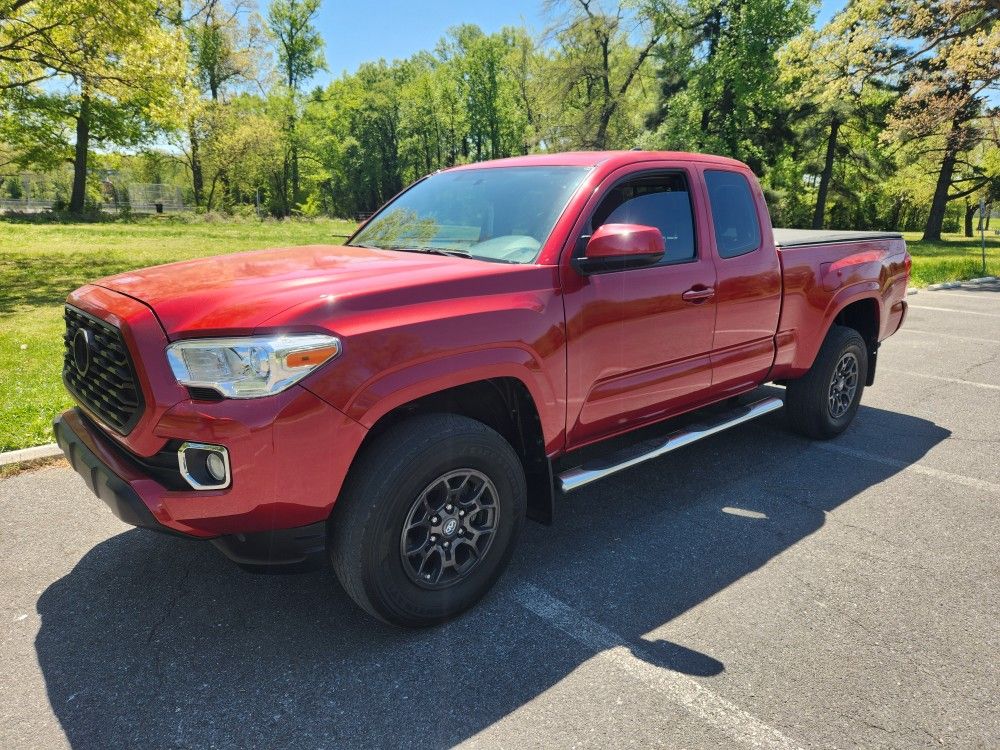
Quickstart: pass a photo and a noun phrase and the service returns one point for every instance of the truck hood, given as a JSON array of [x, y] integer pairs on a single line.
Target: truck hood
[[234, 294]]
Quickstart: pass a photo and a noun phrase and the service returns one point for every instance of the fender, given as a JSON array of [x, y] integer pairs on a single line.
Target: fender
[[847, 296], [390, 390], [795, 354]]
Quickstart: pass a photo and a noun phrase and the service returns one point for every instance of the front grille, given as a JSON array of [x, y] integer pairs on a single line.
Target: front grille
[[98, 370]]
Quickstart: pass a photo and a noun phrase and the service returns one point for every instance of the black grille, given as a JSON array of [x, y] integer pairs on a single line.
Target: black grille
[[106, 383]]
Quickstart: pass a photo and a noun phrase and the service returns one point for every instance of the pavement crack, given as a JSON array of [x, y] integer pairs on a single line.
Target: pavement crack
[[179, 593]]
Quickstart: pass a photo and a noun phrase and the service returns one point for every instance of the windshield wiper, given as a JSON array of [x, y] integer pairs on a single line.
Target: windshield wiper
[[443, 251], [431, 250]]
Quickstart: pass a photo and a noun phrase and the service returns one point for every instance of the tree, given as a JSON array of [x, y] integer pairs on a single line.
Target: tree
[[120, 60], [479, 65], [951, 69], [300, 56], [597, 66], [720, 88], [226, 46], [832, 77]]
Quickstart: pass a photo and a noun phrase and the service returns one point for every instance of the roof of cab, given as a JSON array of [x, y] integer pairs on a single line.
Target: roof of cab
[[594, 158]]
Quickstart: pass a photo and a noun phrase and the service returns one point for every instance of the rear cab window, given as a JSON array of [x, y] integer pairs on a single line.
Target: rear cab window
[[659, 200], [734, 213]]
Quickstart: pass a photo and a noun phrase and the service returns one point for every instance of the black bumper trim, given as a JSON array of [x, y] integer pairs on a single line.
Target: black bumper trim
[[124, 502], [282, 550]]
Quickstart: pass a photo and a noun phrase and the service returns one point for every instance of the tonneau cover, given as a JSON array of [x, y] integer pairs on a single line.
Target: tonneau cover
[[798, 237]]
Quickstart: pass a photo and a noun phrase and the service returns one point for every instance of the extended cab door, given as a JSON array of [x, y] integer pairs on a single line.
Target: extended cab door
[[748, 280], [639, 340]]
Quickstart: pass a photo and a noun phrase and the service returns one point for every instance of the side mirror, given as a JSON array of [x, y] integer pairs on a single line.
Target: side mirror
[[619, 246]]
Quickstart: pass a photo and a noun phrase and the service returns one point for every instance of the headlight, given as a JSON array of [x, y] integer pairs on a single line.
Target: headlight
[[250, 366]]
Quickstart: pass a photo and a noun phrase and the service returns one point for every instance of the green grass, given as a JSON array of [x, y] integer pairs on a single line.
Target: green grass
[[40, 263], [953, 259]]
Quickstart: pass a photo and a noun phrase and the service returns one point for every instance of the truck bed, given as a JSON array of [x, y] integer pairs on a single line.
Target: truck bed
[[800, 237]]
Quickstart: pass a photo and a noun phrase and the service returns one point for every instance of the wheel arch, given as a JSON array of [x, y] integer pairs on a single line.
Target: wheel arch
[[864, 315], [506, 405], [857, 307]]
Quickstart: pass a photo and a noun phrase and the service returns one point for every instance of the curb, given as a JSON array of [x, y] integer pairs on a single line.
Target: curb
[[958, 284], [30, 454]]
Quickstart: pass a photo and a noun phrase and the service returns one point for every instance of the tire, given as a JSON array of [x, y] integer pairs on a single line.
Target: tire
[[406, 472], [810, 401]]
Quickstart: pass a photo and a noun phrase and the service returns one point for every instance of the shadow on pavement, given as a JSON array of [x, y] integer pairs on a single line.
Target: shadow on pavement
[[152, 641]]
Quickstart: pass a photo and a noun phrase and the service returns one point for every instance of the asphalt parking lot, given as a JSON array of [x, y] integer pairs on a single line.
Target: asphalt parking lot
[[754, 590]]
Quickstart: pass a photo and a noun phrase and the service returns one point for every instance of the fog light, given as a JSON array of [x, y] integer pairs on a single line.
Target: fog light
[[204, 466], [216, 467]]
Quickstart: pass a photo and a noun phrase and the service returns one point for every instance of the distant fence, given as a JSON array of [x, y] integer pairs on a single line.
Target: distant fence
[[140, 198], [27, 206]]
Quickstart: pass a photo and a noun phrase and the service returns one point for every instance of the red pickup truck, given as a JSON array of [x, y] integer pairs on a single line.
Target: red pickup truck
[[400, 403]]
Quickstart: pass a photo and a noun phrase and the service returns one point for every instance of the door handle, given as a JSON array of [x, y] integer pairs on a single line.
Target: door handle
[[697, 296]]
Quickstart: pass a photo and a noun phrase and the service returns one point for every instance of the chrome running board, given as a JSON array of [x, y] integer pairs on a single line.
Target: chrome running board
[[574, 479]]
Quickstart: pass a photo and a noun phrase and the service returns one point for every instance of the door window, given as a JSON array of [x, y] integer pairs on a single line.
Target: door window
[[734, 213], [660, 201]]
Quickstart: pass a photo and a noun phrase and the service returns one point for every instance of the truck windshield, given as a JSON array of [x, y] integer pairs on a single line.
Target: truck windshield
[[500, 214]]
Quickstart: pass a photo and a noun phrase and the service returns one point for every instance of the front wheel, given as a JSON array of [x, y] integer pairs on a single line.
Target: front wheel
[[822, 403], [427, 520]]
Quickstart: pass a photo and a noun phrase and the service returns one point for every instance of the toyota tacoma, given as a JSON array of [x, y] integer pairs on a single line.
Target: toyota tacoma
[[493, 337]]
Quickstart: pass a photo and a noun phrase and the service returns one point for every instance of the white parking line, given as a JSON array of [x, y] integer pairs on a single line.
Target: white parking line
[[679, 688], [971, 295], [954, 310], [943, 379], [970, 339], [979, 484]]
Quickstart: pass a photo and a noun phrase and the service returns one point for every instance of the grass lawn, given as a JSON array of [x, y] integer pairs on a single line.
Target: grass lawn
[[953, 259], [40, 263]]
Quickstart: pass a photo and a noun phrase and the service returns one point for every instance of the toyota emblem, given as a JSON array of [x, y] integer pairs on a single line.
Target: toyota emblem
[[81, 351]]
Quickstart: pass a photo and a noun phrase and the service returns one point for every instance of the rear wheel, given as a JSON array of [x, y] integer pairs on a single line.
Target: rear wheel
[[822, 403], [427, 520]]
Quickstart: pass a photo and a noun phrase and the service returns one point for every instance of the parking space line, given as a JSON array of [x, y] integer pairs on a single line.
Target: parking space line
[[917, 468], [970, 295], [954, 310], [704, 704], [970, 339], [943, 379]]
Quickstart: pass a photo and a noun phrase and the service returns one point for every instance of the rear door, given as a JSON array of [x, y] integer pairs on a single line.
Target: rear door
[[748, 280], [639, 340]]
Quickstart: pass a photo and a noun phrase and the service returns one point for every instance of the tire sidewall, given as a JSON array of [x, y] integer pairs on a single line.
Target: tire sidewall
[[855, 344], [385, 579]]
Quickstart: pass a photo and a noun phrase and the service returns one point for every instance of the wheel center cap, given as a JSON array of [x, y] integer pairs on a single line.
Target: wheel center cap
[[450, 527]]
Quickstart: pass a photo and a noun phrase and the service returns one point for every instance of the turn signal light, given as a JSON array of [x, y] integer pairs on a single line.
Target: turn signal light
[[311, 357]]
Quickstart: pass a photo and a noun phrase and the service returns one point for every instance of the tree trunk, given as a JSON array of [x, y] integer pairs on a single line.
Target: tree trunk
[[970, 211], [826, 176], [197, 172], [939, 204], [894, 217], [989, 213], [78, 197]]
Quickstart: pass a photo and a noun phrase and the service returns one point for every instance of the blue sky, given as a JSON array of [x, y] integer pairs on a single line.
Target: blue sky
[[358, 31]]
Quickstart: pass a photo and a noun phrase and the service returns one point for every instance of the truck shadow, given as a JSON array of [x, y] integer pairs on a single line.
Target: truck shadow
[[152, 641]]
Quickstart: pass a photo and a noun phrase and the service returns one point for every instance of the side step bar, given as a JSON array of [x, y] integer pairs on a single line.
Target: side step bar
[[574, 479]]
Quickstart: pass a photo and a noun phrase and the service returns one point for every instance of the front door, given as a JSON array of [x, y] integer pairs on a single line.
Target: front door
[[639, 340]]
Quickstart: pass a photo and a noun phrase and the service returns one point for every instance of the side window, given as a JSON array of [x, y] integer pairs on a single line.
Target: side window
[[660, 201], [734, 213]]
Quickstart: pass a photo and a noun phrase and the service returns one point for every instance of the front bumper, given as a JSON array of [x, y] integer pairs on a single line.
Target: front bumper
[[124, 483]]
